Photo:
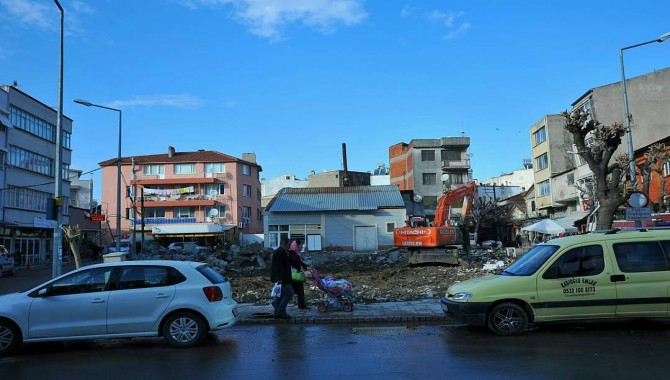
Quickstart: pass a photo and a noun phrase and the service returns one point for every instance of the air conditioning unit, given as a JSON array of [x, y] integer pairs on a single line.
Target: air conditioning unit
[[241, 224]]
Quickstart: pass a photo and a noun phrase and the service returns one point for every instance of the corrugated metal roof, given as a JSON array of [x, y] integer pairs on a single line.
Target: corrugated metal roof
[[336, 199]]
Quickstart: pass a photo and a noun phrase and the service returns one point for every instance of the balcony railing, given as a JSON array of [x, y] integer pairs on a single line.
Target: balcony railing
[[463, 164], [165, 220]]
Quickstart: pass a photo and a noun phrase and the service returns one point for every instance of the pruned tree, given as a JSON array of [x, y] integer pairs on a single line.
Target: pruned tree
[[486, 210], [74, 238], [609, 173], [655, 156]]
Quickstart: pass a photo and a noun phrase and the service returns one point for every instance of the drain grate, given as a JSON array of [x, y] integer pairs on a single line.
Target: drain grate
[[381, 330]]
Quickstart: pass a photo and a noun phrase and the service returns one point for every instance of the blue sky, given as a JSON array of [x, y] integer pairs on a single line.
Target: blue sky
[[291, 80]]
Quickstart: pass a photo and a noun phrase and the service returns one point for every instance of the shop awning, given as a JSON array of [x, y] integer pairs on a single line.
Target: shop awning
[[199, 229], [569, 220]]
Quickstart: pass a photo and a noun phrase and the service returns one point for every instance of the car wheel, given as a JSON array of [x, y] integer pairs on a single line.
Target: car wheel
[[10, 337], [184, 329], [348, 307], [507, 319]]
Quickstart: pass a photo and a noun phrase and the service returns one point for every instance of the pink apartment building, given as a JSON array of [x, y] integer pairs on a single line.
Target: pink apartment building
[[192, 196]]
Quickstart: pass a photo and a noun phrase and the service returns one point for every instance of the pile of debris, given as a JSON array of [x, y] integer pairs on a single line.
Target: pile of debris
[[380, 276]]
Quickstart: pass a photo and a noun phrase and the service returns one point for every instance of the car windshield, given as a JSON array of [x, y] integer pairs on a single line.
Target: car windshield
[[531, 261]]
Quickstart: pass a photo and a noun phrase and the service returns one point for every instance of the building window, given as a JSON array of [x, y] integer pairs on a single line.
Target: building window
[[390, 227], [450, 155], [275, 233], [38, 127], [215, 212], [215, 189], [246, 191], [154, 169], [184, 168], [429, 178], [456, 178], [28, 160], [571, 179], [666, 168], [29, 199], [215, 167], [427, 155], [545, 188], [246, 214], [429, 202], [542, 162], [246, 170], [184, 212], [540, 136], [154, 213]]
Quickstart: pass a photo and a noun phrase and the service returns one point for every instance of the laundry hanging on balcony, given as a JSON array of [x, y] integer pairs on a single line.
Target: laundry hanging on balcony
[[165, 192]]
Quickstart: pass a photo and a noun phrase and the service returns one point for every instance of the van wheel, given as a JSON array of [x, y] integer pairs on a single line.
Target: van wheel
[[507, 319]]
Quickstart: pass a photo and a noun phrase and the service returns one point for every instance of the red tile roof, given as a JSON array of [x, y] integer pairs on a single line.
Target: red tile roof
[[178, 157]]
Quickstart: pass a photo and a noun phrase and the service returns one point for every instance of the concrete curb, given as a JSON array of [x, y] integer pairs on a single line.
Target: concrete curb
[[336, 320]]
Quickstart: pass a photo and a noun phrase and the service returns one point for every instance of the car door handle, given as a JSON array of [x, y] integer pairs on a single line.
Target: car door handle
[[97, 300], [162, 295], [617, 277]]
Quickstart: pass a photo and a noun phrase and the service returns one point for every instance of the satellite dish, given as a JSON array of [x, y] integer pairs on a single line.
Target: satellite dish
[[445, 177], [469, 154], [417, 198], [213, 213], [213, 193], [94, 203]]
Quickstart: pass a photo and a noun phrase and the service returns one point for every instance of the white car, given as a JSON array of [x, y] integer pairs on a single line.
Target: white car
[[185, 247], [7, 265], [124, 245], [178, 300]]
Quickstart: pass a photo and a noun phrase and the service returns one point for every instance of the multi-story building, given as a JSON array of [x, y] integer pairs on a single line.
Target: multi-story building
[[81, 190], [270, 187], [649, 114], [203, 195], [430, 167], [28, 170], [550, 143]]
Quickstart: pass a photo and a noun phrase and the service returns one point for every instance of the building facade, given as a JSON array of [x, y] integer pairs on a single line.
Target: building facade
[[193, 196], [359, 218], [430, 167], [28, 148]]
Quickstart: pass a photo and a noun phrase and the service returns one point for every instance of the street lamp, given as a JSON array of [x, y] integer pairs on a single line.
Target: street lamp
[[118, 174], [56, 265], [627, 116]]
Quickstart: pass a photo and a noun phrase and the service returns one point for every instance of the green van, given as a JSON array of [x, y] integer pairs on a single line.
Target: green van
[[604, 275]]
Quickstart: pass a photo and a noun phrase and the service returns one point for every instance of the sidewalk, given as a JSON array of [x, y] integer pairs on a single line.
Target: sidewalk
[[428, 310]]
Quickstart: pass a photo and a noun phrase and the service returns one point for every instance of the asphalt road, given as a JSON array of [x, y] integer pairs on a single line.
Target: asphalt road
[[609, 351]]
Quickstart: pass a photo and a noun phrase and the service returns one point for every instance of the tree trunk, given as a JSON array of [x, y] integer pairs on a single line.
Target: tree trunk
[[73, 237]]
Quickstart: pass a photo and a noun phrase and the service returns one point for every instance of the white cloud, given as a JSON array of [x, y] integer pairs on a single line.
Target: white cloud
[[167, 100], [31, 13], [266, 18], [450, 20], [43, 15]]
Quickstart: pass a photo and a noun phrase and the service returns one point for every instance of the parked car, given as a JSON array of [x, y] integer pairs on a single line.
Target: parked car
[[124, 245], [178, 300], [185, 247], [617, 274], [7, 265]]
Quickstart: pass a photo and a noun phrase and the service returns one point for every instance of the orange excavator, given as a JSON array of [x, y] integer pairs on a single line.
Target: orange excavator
[[441, 234]]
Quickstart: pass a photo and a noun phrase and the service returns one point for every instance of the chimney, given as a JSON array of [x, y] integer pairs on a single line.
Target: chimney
[[170, 151], [345, 180], [249, 157]]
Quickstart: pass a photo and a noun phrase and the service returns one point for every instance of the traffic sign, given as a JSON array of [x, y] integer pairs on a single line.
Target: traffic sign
[[638, 213]]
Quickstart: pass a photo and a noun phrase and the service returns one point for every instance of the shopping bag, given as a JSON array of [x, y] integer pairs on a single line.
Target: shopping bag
[[298, 277], [276, 291]]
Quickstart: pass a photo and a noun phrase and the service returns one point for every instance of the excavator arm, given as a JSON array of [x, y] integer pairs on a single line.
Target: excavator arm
[[443, 210]]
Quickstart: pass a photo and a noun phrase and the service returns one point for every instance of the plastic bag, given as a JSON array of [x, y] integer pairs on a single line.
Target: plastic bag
[[298, 277], [276, 291]]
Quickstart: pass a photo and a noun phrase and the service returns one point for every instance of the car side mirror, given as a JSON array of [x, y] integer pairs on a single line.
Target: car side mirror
[[42, 292]]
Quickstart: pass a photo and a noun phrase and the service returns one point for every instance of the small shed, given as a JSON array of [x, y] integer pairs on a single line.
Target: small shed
[[357, 218]]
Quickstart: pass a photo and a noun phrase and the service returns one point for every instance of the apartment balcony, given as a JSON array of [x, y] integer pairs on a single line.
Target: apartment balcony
[[460, 165], [180, 200], [147, 221]]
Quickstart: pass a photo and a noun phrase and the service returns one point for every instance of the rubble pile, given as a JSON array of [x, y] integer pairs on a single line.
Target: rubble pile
[[380, 276]]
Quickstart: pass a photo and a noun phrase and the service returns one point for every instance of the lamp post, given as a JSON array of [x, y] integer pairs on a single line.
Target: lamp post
[[56, 256], [118, 174], [627, 116]]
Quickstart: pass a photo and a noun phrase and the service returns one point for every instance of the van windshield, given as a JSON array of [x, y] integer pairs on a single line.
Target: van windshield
[[531, 261]]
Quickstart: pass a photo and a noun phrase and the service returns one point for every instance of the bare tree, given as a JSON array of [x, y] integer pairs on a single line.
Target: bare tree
[[74, 238], [609, 174]]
